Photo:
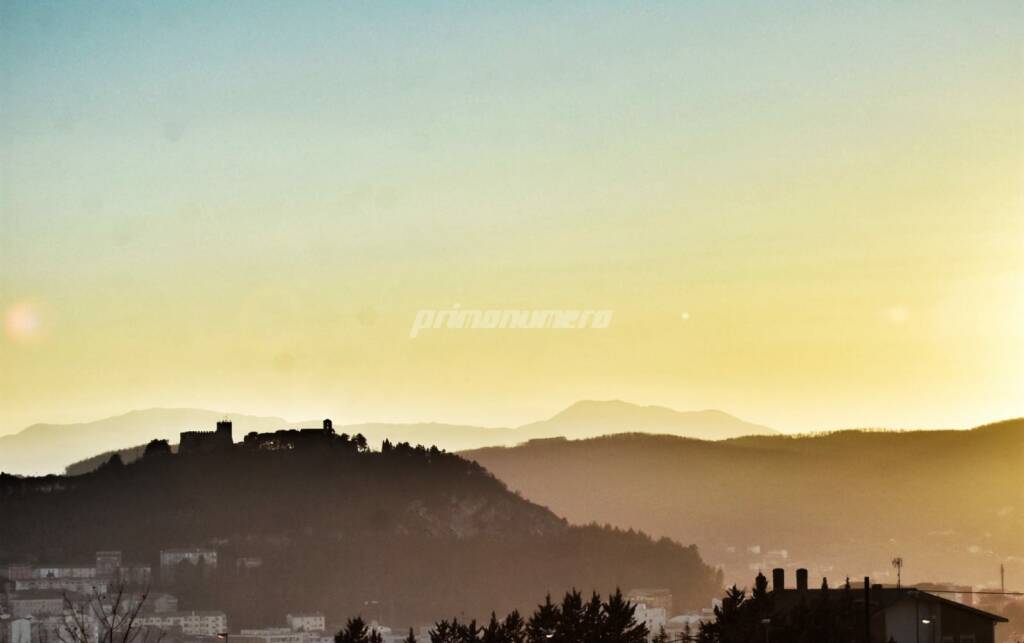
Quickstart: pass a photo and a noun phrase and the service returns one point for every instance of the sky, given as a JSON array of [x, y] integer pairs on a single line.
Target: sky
[[810, 215]]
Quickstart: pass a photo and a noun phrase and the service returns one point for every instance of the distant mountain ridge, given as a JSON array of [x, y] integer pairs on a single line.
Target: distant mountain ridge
[[841, 503], [49, 448], [590, 418]]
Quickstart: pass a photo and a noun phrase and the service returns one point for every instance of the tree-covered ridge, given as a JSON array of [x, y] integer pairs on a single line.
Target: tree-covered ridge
[[572, 620], [835, 500], [422, 532]]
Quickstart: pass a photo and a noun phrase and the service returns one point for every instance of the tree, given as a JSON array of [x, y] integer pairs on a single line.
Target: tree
[[157, 448], [115, 463], [356, 631], [465, 632], [571, 626], [594, 615], [112, 618], [542, 625], [494, 632], [514, 628], [620, 623], [445, 632], [360, 443], [441, 632]]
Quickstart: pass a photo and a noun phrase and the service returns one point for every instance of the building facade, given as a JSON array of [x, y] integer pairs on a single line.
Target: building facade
[[190, 623], [171, 559], [312, 622]]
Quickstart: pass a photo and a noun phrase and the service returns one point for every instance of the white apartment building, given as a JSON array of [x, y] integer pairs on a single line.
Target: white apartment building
[[655, 618], [272, 635], [67, 584], [195, 555], [20, 631], [36, 603], [191, 623], [64, 571], [312, 622]]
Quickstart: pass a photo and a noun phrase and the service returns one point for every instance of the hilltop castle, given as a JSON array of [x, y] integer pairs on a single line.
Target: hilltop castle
[[222, 439], [293, 438], [207, 441]]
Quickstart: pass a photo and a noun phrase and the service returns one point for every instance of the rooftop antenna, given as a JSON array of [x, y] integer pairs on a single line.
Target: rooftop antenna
[[1002, 578], [898, 564]]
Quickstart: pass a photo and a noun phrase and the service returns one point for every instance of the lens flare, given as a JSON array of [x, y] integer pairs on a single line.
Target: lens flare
[[22, 322]]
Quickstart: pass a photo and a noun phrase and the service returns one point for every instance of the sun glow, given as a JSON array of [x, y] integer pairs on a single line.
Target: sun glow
[[23, 322]]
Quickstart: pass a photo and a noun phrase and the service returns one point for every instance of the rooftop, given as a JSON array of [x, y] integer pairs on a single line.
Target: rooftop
[[884, 597]]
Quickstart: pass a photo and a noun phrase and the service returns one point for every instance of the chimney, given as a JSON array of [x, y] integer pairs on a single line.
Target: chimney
[[801, 579], [778, 579]]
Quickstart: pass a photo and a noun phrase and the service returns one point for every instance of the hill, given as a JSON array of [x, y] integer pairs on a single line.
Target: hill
[[49, 448], [421, 533], [591, 418], [951, 503]]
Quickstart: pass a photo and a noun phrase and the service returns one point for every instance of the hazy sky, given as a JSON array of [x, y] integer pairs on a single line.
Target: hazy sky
[[809, 216]]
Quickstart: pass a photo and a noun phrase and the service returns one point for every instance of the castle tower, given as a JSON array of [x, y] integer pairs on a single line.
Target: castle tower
[[224, 437]]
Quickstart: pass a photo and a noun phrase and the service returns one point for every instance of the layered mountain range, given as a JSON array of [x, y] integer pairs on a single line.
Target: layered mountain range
[[50, 448]]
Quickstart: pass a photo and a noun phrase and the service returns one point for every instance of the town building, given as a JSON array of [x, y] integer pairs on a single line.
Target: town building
[[82, 570], [652, 598], [108, 563], [107, 569], [247, 563], [193, 623], [67, 584], [19, 571], [310, 622], [36, 603], [20, 630], [269, 635], [171, 559], [655, 618], [162, 603], [898, 614]]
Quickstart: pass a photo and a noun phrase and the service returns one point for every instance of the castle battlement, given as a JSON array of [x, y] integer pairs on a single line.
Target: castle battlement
[[207, 441]]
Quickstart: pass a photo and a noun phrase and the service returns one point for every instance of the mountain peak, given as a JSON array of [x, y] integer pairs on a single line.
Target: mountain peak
[[590, 418]]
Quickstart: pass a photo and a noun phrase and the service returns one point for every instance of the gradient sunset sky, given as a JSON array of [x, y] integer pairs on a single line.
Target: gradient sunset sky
[[810, 215]]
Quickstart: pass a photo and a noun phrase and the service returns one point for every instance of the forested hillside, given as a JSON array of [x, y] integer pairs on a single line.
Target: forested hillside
[[418, 533], [951, 503]]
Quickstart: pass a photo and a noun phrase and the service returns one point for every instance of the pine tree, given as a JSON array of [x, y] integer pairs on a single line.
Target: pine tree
[[442, 632], [620, 626], [493, 633], [469, 633], [356, 631], [514, 628], [571, 622], [594, 616], [544, 622]]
